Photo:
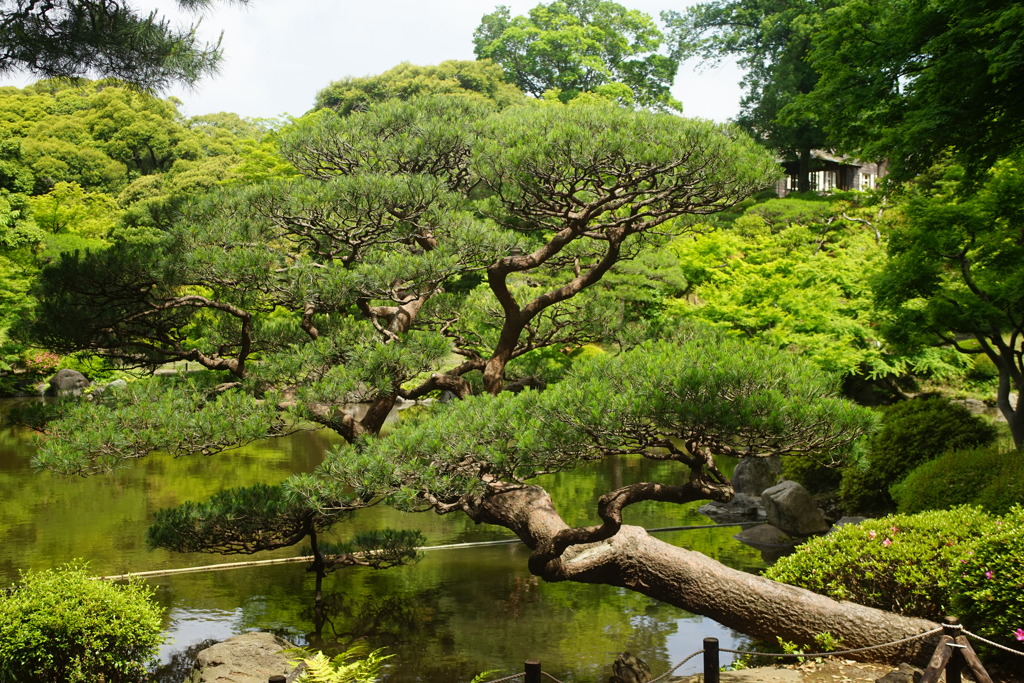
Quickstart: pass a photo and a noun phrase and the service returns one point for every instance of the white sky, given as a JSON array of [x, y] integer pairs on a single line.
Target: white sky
[[279, 53]]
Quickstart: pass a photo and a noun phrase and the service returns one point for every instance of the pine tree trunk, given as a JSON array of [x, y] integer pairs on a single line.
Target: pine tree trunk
[[748, 603]]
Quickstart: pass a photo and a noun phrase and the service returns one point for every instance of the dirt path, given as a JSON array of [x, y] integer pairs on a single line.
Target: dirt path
[[827, 671]]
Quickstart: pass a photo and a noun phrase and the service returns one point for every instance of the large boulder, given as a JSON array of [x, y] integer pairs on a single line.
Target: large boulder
[[792, 509], [67, 383], [247, 658], [753, 475]]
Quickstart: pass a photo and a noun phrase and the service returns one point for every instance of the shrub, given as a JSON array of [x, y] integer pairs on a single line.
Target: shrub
[[62, 625], [900, 563], [911, 433], [987, 476], [988, 584]]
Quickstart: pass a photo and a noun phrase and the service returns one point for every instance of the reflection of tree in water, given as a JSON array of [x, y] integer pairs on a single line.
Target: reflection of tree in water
[[181, 664], [341, 620]]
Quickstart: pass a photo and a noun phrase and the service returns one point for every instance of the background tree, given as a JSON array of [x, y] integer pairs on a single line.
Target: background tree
[[954, 273], [771, 40], [581, 46], [480, 79], [909, 80], [104, 38]]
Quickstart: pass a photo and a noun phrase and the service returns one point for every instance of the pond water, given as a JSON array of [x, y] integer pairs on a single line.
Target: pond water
[[454, 614]]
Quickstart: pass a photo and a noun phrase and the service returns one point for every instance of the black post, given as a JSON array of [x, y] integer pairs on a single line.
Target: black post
[[277, 678], [532, 671], [951, 628], [711, 660]]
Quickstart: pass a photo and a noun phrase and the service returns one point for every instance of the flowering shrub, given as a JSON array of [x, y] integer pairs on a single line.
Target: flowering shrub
[[988, 583], [900, 563], [40, 362]]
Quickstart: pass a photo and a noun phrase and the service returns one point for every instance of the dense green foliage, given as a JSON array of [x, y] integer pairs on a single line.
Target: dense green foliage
[[63, 625], [910, 433], [569, 47], [686, 401], [954, 273], [770, 40], [911, 80], [481, 80], [76, 38], [987, 476], [83, 166], [961, 561], [792, 273]]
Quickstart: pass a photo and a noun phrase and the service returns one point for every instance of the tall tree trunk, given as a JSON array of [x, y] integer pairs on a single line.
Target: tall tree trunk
[[748, 603], [803, 179]]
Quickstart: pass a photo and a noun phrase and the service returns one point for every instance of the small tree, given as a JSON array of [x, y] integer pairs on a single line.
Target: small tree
[[260, 517], [954, 273], [63, 625]]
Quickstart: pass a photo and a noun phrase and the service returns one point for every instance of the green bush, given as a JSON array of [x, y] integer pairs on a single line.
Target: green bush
[[911, 433], [62, 625], [988, 584], [900, 563], [987, 476]]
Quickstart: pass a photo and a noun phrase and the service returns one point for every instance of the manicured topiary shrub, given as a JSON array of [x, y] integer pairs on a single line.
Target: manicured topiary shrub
[[988, 584], [911, 432], [62, 625], [986, 476], [901, 563]]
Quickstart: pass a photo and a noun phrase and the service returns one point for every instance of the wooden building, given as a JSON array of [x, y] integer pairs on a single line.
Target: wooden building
[[832, 172]]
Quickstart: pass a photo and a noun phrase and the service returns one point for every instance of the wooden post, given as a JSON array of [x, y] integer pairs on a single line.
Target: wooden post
[[277, 678], [532, 671], [711, 660], [973, 663], [951, 628]]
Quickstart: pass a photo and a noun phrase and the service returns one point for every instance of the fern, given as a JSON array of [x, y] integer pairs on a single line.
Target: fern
[[354, 665]]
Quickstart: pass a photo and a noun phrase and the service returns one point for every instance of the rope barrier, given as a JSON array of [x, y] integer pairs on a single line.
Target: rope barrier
[[508, 678], [832, 653], [989, 642], [672, 670]]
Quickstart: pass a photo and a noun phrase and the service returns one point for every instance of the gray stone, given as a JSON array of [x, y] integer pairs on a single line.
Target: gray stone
[[742, 508], [791, 508], [68, 383], [843, 521], [765, 535], [905, 674], [975, 406], [629, 668], [753, 475], [247, 658]]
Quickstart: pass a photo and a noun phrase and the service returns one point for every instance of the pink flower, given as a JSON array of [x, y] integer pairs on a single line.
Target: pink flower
[[894, 529], [989, 575], [887, 543], [1019, 634], [872, 534]]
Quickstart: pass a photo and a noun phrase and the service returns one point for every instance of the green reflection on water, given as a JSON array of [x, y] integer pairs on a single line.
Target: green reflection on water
[[454, 614]]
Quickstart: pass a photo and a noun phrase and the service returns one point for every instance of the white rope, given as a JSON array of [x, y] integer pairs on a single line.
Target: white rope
[[669, 672], [989, 642]]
